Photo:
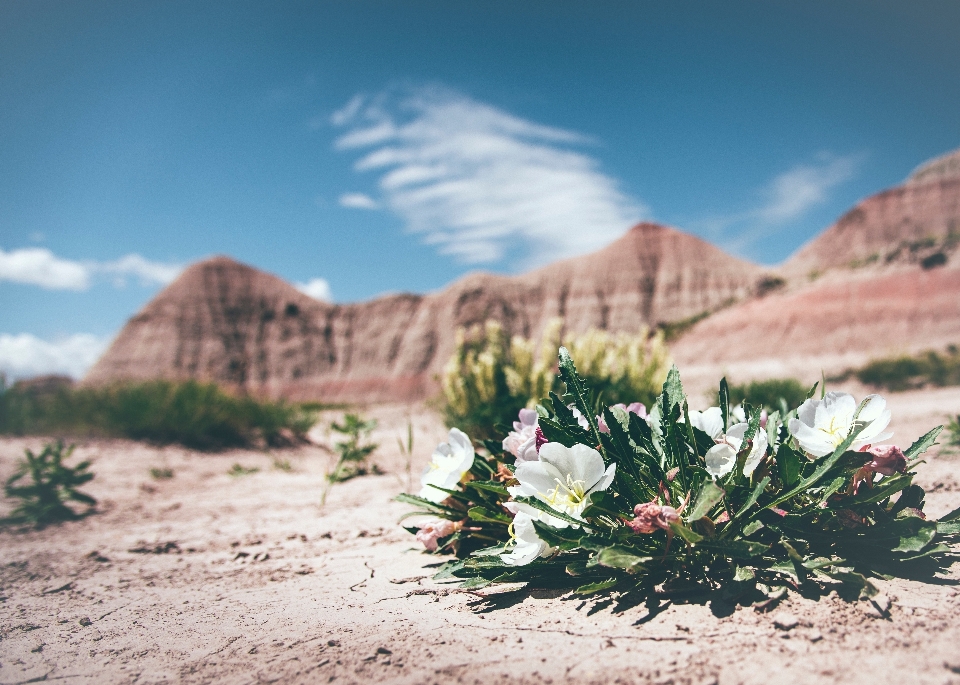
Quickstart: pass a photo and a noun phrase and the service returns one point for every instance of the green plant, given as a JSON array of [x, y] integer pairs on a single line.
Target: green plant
[[683, 501], [283, 465], [44, 500], [953, 432], [161, 473], [910, 372], [490, 377], [198, 415], [771, 394], [406, 450], [239, 470], [352, 452]]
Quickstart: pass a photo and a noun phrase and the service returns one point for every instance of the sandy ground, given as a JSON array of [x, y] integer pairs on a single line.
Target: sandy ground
[[207, 577]]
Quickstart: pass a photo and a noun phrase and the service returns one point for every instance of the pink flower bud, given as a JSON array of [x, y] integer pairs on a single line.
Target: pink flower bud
[[432, 531], [887, 460], [650, 516], [541, 439], [633, 408]]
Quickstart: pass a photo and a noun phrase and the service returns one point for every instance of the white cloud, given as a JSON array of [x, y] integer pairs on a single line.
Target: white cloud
[[793, 193], [149, 273], [481, 184], [317, 288], [358, 201], [39, 266], [786, 198], [25, 355]]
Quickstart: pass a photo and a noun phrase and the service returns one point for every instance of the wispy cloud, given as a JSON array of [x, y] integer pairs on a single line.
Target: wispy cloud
[[481, 184], [25, 355], [39, 266], [317, 288], [785, 199], [358, 201]]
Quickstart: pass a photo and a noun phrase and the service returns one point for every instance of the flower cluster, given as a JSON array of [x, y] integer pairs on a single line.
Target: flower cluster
[[618, 496]]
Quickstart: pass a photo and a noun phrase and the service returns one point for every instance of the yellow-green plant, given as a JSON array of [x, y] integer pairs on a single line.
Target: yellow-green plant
[[490, 377]]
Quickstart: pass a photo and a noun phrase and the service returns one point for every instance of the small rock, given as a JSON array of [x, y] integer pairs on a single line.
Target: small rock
[[383, 650], [952, 666], [333, 643], [785, 621], [815, 636], [85, 622]]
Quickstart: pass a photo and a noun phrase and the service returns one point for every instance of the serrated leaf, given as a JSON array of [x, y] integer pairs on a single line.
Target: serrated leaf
[[591, 588], [752, 528], [754, 496], [621, 557], [547, 509], [710, 495], [923, 444], [474, 583], [734, 549], [914, 534], [685, 533], [485, 515], [743, 574], [489, 486]]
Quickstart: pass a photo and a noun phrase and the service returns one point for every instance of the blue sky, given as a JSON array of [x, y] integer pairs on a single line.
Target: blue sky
[[369, 147]]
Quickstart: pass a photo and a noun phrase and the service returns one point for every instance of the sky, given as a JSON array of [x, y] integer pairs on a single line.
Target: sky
[[359, 148]]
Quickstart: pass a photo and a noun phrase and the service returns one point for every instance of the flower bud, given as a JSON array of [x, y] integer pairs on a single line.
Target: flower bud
[[432, 531], [887, 460]]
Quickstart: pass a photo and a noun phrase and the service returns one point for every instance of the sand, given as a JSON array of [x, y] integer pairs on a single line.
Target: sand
[[207, 577]]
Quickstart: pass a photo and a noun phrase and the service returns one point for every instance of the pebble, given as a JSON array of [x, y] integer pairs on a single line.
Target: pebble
[[785, 621]]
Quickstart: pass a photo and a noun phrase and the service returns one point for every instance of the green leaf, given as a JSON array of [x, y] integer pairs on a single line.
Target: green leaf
[[824, 467], [546, 508], [487, 516], [734, 549], [494, 551], [576, 568], [882, 490], [752, 528], [952, 516], [948, 528], [789, 464], [602, 504], [449, 570], [474, 583], [724, 397], [673, 389], [867, 589], [914, 533], [682, 531], [754, 496], [743, 574], [591, 588], [710, 495], [578, 390], [933, 551], [489, 486], [621, 557], [415, 500], [923, 444]]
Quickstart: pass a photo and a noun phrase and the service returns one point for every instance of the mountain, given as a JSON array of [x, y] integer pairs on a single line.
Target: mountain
[[230, 323], [883, 280]]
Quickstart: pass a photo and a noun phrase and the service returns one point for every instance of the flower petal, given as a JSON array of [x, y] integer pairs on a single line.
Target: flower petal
[[720, 460]]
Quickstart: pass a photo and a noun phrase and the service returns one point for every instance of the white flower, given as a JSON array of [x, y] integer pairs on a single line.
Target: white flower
[[821, 425], [722, 457], [451, 460], [528, 545], [563, 478], [710, 421], [521, 442]]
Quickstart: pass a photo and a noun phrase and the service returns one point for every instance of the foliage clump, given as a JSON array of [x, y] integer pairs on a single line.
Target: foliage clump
[[352, 452], [52, 484], [771, 394], [722, 500], [490, 376], [908, 372], [197, 415]]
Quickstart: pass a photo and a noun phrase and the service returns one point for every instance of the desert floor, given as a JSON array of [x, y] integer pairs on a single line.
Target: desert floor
[[208, 577]]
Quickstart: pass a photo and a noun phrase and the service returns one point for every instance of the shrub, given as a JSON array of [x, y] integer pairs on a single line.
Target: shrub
[[198, 415], [906, 373], [490, 377], [772, 394], [352, 461], [44, 500]]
